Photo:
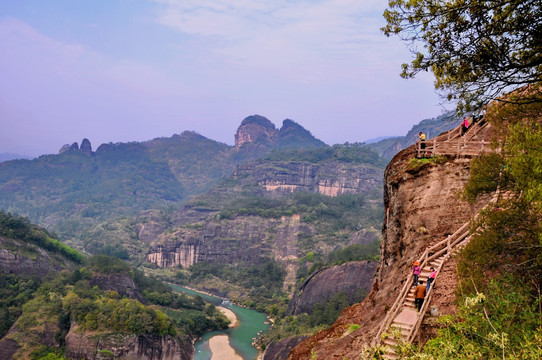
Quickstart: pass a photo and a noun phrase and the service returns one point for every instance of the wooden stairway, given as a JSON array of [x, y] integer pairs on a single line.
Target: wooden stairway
[[453, 143], [403, 321]]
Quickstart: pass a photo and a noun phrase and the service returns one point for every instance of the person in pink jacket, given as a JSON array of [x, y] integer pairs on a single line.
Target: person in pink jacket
[[416, 271], [431, 278]]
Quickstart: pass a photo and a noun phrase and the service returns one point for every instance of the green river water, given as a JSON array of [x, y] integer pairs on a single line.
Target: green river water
[[250, 323]]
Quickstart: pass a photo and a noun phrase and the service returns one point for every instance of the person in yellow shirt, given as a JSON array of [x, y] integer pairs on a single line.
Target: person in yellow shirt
[[421, 136]]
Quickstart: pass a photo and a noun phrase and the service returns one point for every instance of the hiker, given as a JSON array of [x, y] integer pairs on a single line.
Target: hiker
[[475, 116], [416, 271], [421, 136], [431, 278], [464, 125], [419, 295]]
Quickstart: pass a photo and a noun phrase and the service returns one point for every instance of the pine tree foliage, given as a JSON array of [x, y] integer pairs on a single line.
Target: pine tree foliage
[[477, 49]]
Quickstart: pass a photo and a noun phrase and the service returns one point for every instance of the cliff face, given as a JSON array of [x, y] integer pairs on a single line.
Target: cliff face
[[329, 178], [203, 235], [279, 350], [18, 257], [250, 239], [423, 206], [256, 130], [123, 284], [257, 133], [354, 279], [80, 345]]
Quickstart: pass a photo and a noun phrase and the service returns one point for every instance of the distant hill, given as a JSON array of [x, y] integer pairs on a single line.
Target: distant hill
[[388, 147], [90, 198], [11, 156], [270, 214]]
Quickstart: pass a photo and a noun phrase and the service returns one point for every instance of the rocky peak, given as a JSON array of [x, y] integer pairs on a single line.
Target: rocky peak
[[256, 130], [64, 148], [123, 284], [293, 135], [86, 148]]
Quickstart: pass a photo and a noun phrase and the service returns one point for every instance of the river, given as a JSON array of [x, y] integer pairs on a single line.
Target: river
[[250, 323]]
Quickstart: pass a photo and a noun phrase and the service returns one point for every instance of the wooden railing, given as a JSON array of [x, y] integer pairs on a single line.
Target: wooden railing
[[443, 247], [454, 143], [414, 331]]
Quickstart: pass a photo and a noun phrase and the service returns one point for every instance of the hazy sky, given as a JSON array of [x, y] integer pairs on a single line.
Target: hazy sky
[[133, 70]]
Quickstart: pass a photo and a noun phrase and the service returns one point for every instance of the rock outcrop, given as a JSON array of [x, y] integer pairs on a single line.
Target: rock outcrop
[[279, 350], [86, 148], [330, 178], [123, 284], [82, 345], [21, 258], [355, 279], [257, 131], [423, 206], [64, 148]]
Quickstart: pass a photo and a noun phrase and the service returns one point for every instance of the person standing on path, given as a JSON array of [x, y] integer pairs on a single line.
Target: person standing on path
[[416, 271], [419, 295], [431, 278], [421, 137]]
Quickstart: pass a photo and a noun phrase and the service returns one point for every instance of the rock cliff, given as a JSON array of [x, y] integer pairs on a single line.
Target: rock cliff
[[249, 239], [81, 345], [354, 279], [257, 133], [256, 130], [123, 284], [330, 178], [281, 349], [423, 206], [21, 258]]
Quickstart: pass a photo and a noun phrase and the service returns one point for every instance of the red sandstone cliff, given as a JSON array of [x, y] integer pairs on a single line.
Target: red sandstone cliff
[[423, 206]]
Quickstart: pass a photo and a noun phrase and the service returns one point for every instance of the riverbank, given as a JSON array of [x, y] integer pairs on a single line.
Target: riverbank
[[220, 344], [230, 315], [235, 342], [221, 349]]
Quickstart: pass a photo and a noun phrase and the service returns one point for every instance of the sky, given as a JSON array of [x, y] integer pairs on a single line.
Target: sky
[[133, 70]]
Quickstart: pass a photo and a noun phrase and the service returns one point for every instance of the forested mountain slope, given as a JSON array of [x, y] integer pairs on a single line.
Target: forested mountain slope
[[85, 196], [55, 303]]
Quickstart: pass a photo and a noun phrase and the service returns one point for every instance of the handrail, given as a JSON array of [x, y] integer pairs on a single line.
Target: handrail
[[414, 330], [445, 244], [453, 143], [451, 242]]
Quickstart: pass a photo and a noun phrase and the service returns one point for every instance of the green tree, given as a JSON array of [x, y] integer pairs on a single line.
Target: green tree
[[509, 235], [476, 48]]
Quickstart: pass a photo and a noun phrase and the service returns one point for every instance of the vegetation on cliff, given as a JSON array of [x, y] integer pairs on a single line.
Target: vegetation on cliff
[[358, 153], [44, 308], [487, 53], [18, 227], [500, 270]]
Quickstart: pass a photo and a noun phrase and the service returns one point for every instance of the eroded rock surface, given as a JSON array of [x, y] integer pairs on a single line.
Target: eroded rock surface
[[82, 345], [423, 206], [354, 279]]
